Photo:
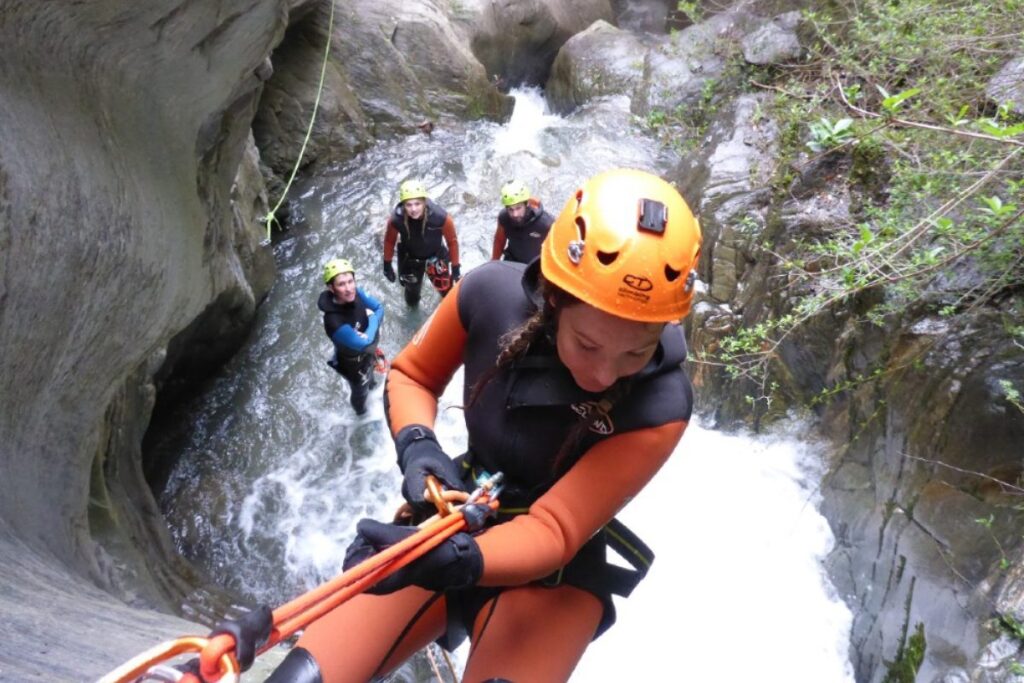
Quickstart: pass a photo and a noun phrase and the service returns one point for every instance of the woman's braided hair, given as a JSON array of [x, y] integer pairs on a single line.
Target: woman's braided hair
[[515, 343]]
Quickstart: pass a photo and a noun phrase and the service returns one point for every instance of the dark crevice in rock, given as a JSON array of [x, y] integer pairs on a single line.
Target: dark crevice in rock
[[192, 357]]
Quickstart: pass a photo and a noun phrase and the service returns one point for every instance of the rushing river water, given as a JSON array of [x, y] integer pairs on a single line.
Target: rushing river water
[[275, 469]]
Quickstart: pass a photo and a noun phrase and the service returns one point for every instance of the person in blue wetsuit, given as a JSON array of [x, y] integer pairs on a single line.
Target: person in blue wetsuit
[[352, 320]]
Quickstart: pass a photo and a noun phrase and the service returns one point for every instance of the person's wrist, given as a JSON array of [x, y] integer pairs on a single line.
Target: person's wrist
[[409, 435]]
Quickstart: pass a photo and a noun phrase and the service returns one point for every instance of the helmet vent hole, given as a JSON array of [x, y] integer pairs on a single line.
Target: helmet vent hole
[[671, 274], [607, 258], [581, 226]]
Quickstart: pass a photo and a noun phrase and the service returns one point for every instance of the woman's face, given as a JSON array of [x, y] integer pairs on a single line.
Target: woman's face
[[414, 208], [599, 348]]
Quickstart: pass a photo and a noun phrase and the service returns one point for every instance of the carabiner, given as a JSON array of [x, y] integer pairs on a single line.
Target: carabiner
[[437, 497]]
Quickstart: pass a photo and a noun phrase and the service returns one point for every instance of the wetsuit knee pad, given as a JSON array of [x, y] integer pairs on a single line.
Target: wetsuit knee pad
[[298, 667]]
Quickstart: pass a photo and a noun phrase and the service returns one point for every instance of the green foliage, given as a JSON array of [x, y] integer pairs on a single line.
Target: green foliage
[[827, 393], [1012, 394], [937, 172], [656, 118], [891, 103], [826, 135], [691, 8], [986, 523], [1011, 626], [908, 658], [683, 126]]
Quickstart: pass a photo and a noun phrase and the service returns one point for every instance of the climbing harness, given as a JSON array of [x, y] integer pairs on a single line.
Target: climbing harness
[[217, 660], [271, 217]]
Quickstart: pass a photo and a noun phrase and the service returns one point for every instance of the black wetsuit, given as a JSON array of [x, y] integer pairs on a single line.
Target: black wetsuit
[[355, 334]]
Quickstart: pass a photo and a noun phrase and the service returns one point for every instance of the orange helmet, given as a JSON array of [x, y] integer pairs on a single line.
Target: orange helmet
[[625, 243]]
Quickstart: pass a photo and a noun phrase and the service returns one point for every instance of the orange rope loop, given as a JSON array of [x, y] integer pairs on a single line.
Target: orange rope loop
[[217, 660], [226, 669]]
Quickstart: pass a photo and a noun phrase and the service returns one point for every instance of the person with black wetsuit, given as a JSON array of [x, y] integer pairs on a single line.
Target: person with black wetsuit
[[522, 225], [424, 234], [352, 320]]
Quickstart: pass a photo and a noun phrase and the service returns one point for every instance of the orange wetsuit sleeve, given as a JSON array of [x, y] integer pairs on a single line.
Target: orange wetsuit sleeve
[[422, 370], [451, 239], [499, 243], [533, 545], [390, 239]]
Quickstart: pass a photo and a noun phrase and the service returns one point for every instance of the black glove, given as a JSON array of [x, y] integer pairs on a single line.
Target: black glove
[[456, 273], [250, 631], [419, 455], [389, 271], [456, 563]]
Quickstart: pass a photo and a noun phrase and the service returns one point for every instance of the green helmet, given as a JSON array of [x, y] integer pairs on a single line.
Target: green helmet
[[335, 267], [514, 192], [412, 189]]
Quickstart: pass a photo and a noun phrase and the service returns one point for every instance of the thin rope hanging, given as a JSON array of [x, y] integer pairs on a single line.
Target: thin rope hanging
[[271, 217]]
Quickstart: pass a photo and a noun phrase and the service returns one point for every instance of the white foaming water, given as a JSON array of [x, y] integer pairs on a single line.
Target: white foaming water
[[300, 501], [530, 117], [276, 470], [737, 591]]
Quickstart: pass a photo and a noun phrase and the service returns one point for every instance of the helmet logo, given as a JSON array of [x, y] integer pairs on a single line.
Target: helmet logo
[[638, 283], [576, 251]]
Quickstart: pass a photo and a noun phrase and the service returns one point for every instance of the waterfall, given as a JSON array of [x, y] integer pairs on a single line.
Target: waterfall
[[274, 469]]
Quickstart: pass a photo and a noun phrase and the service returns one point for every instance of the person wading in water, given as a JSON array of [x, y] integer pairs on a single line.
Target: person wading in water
[[522, 225], [352, 320], [427, 243]]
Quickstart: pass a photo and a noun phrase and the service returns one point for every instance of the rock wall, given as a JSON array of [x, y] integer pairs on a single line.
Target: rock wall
[[131, 193], [923, 490], [121, 222], [132, 259], [924, 486], [392, 66]]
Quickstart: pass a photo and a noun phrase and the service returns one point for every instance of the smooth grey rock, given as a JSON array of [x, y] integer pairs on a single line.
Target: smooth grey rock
[[1007, 86], [391, 66], [517, 40], [774, 43], [602, 60], [125, 127]]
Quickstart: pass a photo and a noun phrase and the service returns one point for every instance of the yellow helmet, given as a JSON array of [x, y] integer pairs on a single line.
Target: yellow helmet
[[412, 189], [514, 192], [626, 243], [336, 267]]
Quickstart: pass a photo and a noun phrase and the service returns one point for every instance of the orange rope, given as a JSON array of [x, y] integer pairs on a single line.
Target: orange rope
[[227, 669], [217, 660], [310, 606]]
